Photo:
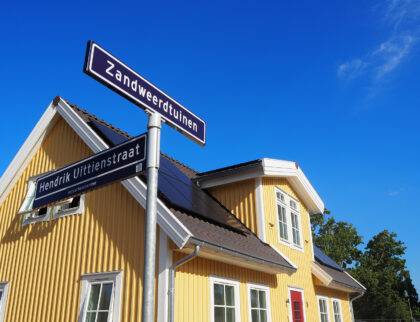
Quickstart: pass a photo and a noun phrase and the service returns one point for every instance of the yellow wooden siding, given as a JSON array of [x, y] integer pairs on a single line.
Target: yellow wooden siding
[[44, 261], [239, 198]]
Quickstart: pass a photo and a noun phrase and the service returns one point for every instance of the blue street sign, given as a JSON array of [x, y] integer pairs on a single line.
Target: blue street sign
[[120, 162], [116, 75]]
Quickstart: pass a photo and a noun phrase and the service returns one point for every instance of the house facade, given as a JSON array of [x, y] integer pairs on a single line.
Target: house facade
[[244, 229]]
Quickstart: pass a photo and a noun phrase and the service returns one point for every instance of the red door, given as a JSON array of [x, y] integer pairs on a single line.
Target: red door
[[297, 306]]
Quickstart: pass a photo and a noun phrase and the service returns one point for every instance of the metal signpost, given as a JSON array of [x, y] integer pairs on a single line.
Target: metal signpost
[[120, 162], [116, 75]]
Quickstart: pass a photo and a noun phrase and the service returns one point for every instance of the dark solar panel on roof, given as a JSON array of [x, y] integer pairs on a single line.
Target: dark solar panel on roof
[[178, 189], [324, 259], [112, 137]]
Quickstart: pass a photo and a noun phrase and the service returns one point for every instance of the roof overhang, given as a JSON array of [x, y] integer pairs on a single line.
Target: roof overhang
[[328, 281], [266, 168], [225, 255]]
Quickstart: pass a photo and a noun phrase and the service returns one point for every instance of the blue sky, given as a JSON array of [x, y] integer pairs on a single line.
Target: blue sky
[[332, 85]]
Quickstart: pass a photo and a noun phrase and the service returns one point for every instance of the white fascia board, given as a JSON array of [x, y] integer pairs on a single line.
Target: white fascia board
[[298, 180], [356, 280], [137, 188], [27, 151], [322, 275], [284, 256], [260, 209], [229, 178]]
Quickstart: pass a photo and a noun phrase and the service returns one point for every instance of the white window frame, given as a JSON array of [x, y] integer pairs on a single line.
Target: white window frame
[[334, 299], [88, 279], [286, 204], [300, 290], [4, 287], [57, 213], [27, 219], [230, 282], [321, 297], [259, 287]]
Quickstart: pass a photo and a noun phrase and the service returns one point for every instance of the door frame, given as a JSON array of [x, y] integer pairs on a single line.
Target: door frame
[[300, 290]]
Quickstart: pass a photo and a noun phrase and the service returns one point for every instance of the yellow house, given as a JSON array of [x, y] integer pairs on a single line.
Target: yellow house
[[234, 244]]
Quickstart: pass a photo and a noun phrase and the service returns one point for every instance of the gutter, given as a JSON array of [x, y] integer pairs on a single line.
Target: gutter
[[200, 242], [172, 280]]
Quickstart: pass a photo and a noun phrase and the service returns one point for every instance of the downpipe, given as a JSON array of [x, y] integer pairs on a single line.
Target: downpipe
[[172, 280]]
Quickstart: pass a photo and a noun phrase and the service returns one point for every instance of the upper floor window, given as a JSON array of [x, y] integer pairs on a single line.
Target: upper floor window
[[30, 216], [64, 208], [224, 300], [338, 316], [288, 217]]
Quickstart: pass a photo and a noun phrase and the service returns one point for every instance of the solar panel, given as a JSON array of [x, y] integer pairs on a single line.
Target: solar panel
[[177, 189], [112, 137], [324, 259]]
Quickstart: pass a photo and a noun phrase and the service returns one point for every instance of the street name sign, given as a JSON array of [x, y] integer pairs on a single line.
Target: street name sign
[[120, 162], [110, 71]]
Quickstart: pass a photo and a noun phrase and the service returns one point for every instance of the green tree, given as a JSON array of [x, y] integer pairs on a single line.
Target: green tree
[[381, 269], [338, 239]]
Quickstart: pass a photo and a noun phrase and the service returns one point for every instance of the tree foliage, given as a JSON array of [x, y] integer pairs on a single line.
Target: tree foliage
[[338, 239], [383, 272], [381, 267]]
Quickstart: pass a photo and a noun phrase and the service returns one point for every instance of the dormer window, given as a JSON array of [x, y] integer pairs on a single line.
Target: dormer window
[[288, 218]]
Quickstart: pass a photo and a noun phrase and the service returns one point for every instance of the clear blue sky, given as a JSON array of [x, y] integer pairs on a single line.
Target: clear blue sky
[[332, 85]]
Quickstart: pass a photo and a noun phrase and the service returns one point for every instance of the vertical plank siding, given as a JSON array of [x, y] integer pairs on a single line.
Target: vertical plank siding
[[44, 261], [239, 198]]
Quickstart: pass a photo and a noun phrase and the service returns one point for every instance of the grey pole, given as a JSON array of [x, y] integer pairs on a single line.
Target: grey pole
[[152, 165]]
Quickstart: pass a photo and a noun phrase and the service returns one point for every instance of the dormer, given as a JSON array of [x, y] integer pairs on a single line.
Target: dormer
[[272, 197]]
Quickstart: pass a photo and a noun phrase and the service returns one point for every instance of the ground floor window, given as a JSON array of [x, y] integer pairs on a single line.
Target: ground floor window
[[323, 309], [338, 316], [101, 295], [224, 300], [4, 287], [259, 302]]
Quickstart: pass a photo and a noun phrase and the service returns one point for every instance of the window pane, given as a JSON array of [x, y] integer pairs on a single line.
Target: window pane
[[230, 314], [219, 314], [1, 293], [102, 317], [105, 296], [230, 297], [255, 316], [335, 306], [94, 295], [262, 299], [90, 317], [254, 298], [219, 298], [263, 316]]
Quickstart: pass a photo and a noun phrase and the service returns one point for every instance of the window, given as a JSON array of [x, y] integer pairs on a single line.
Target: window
[[324, 315], [30, 216], [101, 297], [4, 287], [224, 300], [288, 218], [338, 316], [69, 207], [259, 303]]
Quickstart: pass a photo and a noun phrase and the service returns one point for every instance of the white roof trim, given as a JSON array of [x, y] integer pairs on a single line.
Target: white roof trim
[[284, 256], [27, 151], [270, 168], [319, 273], [165, 218]]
